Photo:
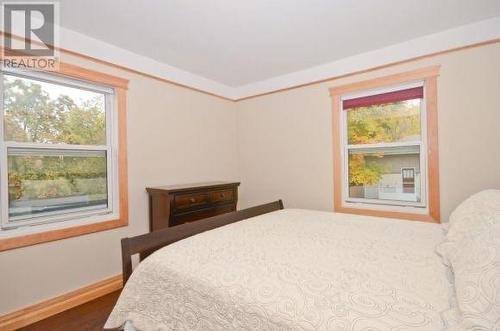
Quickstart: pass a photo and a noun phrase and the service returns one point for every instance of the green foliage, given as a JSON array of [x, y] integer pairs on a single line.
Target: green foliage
[[363, 173], [32, 116], [383, 123], [387, 123], [27, 112]]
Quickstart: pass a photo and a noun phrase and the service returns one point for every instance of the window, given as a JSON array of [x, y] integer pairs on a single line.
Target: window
[[59, 151], [381, 132]]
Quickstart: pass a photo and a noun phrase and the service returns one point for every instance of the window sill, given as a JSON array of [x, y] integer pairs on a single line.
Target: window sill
[[388, 214], [20, 239]]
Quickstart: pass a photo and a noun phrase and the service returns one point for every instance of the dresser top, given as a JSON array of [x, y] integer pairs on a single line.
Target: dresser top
[[191, 186]]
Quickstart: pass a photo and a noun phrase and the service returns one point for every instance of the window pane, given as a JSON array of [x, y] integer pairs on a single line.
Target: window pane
[[43, 181], [41, 112], [392, 122], [391, 173]]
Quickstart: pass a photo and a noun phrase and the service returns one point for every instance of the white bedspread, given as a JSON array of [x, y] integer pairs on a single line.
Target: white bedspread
[[293, 270]]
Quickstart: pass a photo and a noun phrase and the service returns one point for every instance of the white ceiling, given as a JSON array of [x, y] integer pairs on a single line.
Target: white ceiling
[[236, 42]]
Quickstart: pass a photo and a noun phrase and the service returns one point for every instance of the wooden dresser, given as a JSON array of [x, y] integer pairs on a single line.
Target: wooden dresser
[[174, 205]]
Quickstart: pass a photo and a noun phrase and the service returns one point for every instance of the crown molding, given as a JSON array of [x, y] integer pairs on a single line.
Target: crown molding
[[471, 35], [453, 39], [76, 42]]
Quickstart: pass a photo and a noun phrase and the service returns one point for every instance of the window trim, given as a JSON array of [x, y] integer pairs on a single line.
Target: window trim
[[26, 236], [416, 207], [426, 75]]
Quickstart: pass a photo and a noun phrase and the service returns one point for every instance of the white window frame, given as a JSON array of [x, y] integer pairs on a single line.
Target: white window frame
[[378, 204], [72, 217]]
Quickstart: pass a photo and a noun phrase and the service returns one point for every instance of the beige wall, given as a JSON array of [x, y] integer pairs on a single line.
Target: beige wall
[[279, 146], [285, 139], [175, 135]]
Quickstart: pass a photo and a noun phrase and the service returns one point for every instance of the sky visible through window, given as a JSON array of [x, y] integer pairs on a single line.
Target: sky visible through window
[[79, 96]]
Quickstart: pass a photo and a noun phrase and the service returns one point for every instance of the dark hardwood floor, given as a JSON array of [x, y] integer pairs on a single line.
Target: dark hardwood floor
[[90, 316]]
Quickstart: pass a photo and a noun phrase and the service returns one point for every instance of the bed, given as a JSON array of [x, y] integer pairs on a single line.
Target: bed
[[269, 268]]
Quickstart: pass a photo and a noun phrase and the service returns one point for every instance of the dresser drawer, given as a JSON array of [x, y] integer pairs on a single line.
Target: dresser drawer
[[221, 196], [195, 215], [191, 200]]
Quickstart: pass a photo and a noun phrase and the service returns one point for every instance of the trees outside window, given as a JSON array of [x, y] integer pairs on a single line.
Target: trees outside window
[[57, 148]]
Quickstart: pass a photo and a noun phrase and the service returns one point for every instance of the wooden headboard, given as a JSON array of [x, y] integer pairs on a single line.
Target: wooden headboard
[[146, 244]]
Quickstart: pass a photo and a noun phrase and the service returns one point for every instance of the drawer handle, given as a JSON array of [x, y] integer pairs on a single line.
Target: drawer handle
[[192, 200], [222, 195]]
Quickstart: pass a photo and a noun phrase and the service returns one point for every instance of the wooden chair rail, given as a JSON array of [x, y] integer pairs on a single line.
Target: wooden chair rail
[[146, 244]]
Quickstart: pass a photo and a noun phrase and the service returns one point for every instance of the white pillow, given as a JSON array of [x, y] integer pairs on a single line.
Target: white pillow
[[475, 215], [476, 267]]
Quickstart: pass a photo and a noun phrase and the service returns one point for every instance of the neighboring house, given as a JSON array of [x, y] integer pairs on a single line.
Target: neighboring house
[[400, 181]]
